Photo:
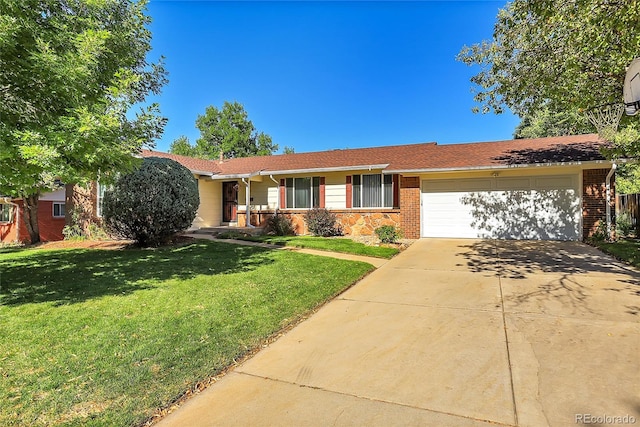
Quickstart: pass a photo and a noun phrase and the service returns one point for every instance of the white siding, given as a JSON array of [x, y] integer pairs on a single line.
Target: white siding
[[210, 210], [55, 196], [336, 191]]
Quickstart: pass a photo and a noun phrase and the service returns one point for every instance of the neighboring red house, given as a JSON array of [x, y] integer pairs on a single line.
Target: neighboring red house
[[51, 218]]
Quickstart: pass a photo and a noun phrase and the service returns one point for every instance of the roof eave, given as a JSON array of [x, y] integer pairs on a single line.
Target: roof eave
[[329, 169], [499, 167], [233, 176], [200, 172]]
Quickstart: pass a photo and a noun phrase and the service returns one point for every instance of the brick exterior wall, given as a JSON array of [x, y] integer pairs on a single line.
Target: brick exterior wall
[[50, 227], [354, 222], [410, 207], [84, 201], [594, 199], [361, 222]]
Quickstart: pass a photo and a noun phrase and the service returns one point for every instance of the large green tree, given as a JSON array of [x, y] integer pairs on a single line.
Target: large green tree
[[227, 132], [544, 122], [70, 73], [182, 147], [564, 55]]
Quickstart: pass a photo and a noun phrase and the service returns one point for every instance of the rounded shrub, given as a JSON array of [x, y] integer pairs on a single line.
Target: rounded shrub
[[388, 234], [321, 222], [280, 225], [152, 203]]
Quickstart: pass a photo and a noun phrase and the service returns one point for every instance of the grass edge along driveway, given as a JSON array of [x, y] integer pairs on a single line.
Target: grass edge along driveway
[[627, 250], [331, 244], [96, 337]]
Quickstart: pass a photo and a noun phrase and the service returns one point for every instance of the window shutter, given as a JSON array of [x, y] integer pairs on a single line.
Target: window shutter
[[349, 189], [322, 194], [283, 188], [396, 191]]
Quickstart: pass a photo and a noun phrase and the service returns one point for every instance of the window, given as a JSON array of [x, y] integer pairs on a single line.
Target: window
[[372, 191], [58, 210], [5, 212], [99, 197], [302, 193]]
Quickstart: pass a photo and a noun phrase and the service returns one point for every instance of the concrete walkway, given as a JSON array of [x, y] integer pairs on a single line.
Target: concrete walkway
[[376, 262], [451, 333]]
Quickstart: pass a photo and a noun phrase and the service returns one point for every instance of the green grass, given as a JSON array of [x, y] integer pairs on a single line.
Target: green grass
[[91, 337], [625, 250], [346, 246]]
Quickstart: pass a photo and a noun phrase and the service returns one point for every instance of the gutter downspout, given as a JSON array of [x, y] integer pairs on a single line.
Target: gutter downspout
[[608, 190], [277, 198], [247, 183]]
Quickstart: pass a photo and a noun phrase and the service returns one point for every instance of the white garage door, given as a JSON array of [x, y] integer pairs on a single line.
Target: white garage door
[[536, 207]]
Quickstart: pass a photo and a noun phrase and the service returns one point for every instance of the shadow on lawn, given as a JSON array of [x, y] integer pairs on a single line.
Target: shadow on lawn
[[71, 276]]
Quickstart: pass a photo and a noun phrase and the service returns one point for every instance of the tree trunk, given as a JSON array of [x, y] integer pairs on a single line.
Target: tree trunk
[[30, 204]]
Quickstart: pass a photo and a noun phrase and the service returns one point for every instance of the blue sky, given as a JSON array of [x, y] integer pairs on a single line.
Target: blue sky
[[324, 75]]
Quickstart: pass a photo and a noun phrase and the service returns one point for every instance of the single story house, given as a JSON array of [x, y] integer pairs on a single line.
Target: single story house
[[554, 188], [51, 218]]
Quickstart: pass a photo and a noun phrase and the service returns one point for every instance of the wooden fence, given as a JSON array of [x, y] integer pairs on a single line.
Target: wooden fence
[[630, 204]]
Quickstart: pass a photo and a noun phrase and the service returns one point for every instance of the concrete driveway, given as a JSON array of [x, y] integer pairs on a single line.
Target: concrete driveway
[[452, 333]]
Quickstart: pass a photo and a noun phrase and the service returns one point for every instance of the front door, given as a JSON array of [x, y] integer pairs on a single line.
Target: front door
[[229, 201]]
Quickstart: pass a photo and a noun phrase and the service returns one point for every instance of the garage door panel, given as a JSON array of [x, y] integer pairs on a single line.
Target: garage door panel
[[534, 208], [446, 185]]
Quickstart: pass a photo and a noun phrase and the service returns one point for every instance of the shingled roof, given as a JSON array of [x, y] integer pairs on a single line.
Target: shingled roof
[[413, 157]]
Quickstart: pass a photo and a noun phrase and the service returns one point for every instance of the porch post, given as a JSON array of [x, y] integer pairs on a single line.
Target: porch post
[[247, 183]]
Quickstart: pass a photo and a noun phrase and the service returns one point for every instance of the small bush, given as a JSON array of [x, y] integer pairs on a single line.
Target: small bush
[[74, 231], [321, 222], [388, 234], [152, 203], [624, 225], [279, 225], [600, 234]]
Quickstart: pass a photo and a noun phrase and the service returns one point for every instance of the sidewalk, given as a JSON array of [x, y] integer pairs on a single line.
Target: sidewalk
[[376, 262]]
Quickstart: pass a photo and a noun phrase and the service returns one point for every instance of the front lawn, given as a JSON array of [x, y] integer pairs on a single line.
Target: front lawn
[[627, 250], [346, 246], [98, 337]]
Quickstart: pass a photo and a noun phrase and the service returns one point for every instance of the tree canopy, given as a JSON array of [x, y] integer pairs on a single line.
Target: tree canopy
[[70, 72], [182, 147], [227, 131], [544, 122], [566, 54]]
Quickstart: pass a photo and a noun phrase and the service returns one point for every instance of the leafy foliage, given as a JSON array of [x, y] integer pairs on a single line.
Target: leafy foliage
[[566, 56], [323, 223], [69, 74], [152, 203], [624, 224], [388, 234], [182, 147], [280, 225], [600, 234], [628, 178], [544, 122], [572, 54], [228, 132]]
